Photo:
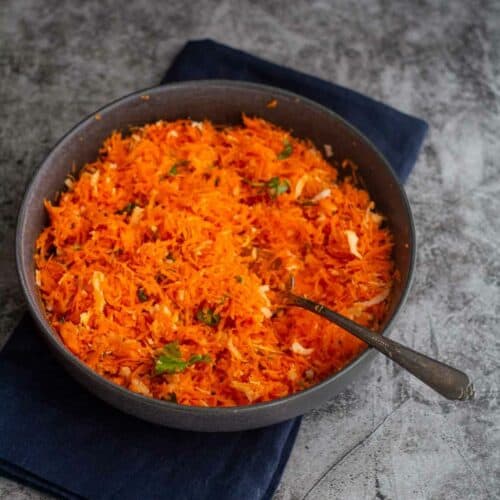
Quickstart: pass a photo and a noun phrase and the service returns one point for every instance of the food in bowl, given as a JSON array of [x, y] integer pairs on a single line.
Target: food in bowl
[[158, 266]]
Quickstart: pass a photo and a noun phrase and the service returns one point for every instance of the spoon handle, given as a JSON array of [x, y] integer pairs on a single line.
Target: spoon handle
[[448, 381]]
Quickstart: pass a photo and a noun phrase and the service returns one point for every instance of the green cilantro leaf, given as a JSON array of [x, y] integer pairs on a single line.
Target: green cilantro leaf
[[286, 151], [142, 295], [276, 186], [170, 360], [199, 358], [167, 364], [174, 169], [208, 317], [172, 349]]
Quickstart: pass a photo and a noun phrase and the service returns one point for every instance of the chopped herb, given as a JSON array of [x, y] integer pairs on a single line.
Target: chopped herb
[[172, 397], [217, 181], [142, 295], [199, 358], [174, 169], [276, 186], [239, 279], [127, 209], [286, 151], [170, 361], [208, 317], [170, 256]]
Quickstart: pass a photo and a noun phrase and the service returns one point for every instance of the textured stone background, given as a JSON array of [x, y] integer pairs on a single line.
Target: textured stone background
[[387, 436]]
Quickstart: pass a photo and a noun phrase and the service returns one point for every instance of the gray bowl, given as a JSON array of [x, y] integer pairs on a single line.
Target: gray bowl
[[221, 102]]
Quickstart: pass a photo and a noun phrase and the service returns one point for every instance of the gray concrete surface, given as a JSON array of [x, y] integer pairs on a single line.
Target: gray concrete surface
[[387, 436]]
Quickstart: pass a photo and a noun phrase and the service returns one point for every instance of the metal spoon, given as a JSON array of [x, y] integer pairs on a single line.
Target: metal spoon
[[446, 380]]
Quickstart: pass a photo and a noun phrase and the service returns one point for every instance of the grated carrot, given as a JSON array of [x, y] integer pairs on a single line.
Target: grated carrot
[[179, 233]]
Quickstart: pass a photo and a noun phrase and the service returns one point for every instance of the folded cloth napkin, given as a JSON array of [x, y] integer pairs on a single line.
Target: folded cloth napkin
[[57, 437]]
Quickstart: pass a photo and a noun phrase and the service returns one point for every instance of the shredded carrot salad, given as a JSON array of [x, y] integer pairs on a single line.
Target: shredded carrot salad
[[159, 263]]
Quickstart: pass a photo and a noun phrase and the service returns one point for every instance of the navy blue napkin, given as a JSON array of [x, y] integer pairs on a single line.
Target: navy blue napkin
[[57, 437]]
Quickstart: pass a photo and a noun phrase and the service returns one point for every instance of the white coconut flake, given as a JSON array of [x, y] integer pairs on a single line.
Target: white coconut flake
[[136, 215], [377, 218], [97, 281], [249, 391], [263, 290], [299, 187], [198, 125], [38, 278], [298, 348], [375, 300], [84, 318], [137, 385], [328, 150], [232, 349], [326, 193], [125, 371], [173, 133], [352, 240], [266, 312]]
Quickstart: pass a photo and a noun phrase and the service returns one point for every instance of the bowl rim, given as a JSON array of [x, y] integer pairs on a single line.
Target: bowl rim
[[49, 333]]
